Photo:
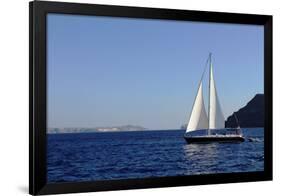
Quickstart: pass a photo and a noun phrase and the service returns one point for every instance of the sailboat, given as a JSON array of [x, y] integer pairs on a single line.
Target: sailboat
[[209, 128]]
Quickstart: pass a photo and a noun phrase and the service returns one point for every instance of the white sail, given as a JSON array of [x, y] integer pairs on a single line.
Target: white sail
[[216, 118], [198, 118]]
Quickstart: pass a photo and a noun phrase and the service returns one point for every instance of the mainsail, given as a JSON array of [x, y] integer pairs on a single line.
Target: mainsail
[[198, 118], [216, 118]]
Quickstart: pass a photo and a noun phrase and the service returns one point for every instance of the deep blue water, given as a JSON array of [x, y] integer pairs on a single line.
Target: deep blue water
[[122, 155]]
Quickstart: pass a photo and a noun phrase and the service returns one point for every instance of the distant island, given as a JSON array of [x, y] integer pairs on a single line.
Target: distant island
[[96, 129], [251, 115]]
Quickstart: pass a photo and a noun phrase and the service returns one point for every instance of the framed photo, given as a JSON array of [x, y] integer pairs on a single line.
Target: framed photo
[[131, 97]]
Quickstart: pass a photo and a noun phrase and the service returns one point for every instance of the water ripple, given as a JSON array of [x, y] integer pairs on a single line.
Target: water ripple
[[105, 156]]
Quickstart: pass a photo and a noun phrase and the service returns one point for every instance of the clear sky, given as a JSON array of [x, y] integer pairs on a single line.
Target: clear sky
[[106, 71]]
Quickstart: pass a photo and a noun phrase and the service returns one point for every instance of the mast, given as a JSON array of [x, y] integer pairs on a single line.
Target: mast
[[216, 118], [210, 61]]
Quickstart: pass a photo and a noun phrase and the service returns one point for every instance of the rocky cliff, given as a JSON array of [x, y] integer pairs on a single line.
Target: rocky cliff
[[251, 115]]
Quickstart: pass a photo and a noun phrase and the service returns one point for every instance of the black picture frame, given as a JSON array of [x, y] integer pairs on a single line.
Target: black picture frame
[[37, 101]]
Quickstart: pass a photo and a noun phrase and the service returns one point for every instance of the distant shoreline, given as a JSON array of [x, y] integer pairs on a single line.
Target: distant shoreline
[[146, 130], [96, 129]]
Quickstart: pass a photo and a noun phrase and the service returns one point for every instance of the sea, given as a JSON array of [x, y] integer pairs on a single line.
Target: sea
[[77, 157]]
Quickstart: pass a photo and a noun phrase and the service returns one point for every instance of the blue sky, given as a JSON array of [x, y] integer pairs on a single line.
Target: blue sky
[[106, 71]]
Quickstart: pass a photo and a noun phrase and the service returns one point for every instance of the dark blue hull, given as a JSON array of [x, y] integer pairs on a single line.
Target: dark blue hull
[[207, 139]]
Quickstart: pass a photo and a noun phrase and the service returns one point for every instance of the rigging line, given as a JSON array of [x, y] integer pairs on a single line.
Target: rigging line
[[236, 119], [198, 87], [205, 68]]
